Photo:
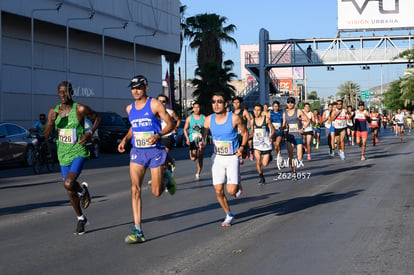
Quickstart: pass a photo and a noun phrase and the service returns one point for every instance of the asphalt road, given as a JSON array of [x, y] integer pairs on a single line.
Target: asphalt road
[[346, 217]]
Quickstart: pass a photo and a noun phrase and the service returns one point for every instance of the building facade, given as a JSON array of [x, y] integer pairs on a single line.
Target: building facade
[[96, 45]]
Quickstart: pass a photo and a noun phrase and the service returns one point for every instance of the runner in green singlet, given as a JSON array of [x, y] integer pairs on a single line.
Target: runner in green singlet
[[67, 118]]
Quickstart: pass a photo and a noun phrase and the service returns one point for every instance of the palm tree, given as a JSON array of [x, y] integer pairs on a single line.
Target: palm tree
[[207, 33], [173, 58], [213, 78], [349, 91]]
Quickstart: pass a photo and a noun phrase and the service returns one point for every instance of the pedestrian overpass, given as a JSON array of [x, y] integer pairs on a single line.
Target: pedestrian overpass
[[328, 52]]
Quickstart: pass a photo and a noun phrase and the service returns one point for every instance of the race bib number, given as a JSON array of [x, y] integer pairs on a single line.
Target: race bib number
[[276, 125], [222, 147], [340, 123], [374, 123], [259, 133], [293, 128], [67, 136], [141, 139]]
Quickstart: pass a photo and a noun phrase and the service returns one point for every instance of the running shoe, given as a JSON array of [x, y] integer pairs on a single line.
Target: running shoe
[[362, 158], [309, 157], [241, 161], [171, 165], [84, 198], [197, 176], [227, 221], [314, 141], [149, 182], [170, 184], [80, 228], [251, 157], [262, 180], [239, 192], [353, 143], [373, 143], [137, 236], [341, 155], [317, 145], [376, 139]]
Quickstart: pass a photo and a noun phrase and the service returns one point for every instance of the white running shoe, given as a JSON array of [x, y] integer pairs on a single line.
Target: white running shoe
[[362, 158], [341, 155], [197, 176], [227, 221]]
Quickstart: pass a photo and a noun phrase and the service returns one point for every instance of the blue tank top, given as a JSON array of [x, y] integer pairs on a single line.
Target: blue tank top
[[144, 125], [277, 119], [225, 137]]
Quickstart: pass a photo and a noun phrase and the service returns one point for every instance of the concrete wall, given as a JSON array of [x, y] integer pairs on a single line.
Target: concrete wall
[[28, 88]]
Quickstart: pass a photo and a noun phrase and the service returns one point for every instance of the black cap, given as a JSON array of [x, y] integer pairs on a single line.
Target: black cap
[[361, 103], [137, 81]]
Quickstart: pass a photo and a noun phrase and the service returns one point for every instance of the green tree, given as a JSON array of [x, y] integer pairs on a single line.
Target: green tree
[[207, 32], [349, 91], [407, 82], [407, 54], [173, 58], [313, 95], [213, 78], [392, 97]]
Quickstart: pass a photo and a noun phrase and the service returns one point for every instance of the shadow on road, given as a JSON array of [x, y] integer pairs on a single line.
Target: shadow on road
[[293, 205]]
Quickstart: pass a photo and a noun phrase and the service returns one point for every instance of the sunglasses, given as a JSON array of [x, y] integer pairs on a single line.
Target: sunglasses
[[163, 101], [293, 102], [218, 101]]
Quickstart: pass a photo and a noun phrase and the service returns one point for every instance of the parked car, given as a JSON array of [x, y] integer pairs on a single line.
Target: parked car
[[15, 144], [93, 143], [111, 131], [126, 120]]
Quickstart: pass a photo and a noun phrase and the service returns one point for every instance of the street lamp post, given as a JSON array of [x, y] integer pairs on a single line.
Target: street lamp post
[[124, 25], [185, 81], [135, 51], [58, 6], [91, 15]]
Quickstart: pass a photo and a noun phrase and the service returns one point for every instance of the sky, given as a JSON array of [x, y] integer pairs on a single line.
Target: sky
[[283, 19]]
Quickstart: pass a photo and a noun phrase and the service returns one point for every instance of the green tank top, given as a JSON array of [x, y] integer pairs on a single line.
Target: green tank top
[[196, 127], [69, 131]]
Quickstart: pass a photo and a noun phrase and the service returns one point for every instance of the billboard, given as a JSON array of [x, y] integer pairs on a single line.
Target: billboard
[[354, 15]]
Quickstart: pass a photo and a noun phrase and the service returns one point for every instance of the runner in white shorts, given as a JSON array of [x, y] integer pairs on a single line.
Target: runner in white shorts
[[224, 126]]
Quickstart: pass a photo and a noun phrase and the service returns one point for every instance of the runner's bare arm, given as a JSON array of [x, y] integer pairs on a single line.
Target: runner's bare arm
[[82, 111], [186, 125], [302, 115], [206, 130], [177, 119], [237, 124], [159, 110], [272, 129]]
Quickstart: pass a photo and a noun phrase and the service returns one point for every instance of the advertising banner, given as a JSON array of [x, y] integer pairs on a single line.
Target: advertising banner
[[285, 85], [354, 15]]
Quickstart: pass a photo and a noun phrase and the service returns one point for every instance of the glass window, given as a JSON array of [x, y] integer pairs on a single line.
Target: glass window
[[14, 130]]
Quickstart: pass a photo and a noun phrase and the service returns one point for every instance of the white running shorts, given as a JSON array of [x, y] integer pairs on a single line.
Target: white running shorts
[[223, 167]]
